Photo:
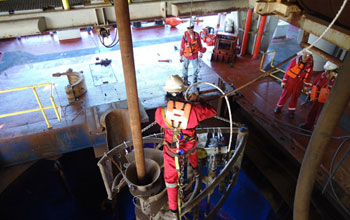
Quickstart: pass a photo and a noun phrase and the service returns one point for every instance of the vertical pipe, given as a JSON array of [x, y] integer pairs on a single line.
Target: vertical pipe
[[126, 48], [65, 4], [327, 122], [259, 37], [246, 31]]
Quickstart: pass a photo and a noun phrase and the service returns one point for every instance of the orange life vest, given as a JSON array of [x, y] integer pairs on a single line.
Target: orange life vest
[[300, 67], [322, 95], [191, 45], [177, 114]]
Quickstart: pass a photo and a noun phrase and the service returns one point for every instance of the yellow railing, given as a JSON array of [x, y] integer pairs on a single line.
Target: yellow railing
[[271, 64], [41, 108]]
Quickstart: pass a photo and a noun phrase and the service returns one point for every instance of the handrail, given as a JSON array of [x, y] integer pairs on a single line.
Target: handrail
[[41, 108], [271, 64]]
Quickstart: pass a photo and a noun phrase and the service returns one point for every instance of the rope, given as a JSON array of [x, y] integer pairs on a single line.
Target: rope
[[294, 55], [267, 73], [325, 31]]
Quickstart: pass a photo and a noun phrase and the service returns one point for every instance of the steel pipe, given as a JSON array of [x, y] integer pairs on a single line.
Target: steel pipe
[[126, 49], [259, 37], [246, 31], [328, 120]]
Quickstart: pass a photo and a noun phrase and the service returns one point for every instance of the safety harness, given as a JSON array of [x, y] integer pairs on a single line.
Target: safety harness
[[191, 44], [295, 71], [176, 118]]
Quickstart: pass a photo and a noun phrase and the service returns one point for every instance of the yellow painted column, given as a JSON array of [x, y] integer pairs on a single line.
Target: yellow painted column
[[65, 4]]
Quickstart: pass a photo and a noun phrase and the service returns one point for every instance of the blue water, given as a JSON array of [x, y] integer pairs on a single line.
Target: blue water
[[41, 193]]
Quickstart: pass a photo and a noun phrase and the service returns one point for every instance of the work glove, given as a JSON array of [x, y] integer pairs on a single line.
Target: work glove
[[283, 84], [193, 97], [305, 89]]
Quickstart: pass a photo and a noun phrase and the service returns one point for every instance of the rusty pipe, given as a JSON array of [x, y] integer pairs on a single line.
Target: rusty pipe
[[126, 48], [327, 122]]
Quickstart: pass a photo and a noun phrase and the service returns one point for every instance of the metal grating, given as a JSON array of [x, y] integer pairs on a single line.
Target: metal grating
[[20, 5]]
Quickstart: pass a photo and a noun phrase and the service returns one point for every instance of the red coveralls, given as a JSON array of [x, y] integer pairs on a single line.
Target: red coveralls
[[294, 86], [321, 81], [198, 113], [195, 36]]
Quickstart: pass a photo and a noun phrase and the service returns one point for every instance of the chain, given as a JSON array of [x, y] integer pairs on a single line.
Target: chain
[[182, 176], [148, 126], [226, 120]]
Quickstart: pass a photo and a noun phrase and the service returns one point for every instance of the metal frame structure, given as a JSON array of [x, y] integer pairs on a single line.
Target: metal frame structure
[[30, 22], [231, 169], [271, 64]]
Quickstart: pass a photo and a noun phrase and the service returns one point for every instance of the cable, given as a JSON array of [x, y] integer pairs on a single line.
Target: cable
[[227, 102], [94, 42], [331, 173], [325, 31], [114, 41]]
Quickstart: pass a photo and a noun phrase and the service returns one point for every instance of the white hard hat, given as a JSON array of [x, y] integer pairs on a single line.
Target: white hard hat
[[330, 66], [174, 84]]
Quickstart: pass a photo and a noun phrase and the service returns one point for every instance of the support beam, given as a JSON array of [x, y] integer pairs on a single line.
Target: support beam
[[323, 54], [93, 15], [336, 35], [327, 122], [206, 7], [126, 50]]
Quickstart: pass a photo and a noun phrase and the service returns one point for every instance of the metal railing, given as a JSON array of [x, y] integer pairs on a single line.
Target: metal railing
[[271, 64], [41, 108]]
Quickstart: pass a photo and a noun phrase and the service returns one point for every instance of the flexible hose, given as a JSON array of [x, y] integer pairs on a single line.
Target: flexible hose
[[227, 102]]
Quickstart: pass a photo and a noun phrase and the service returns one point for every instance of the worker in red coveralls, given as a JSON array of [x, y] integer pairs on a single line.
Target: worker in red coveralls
[[179, 120], [296, 79], [319, 92], [191, 45]]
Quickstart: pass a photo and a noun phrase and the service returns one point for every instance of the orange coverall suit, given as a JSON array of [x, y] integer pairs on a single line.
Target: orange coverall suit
[[294, 86], [199, 112], [321, 81]]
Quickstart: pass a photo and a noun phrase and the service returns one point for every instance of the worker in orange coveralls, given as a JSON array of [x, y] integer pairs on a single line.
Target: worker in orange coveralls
[[191, 46], [320, 90], [179, 120], [296, 79]]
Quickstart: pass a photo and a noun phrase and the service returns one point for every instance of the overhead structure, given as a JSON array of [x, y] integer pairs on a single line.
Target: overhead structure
[[102, 14], [293, 14]]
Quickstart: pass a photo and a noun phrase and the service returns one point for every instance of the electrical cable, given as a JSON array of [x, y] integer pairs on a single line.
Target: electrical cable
[[299, 128], [331, 173], [113, 43], [99, 51]]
